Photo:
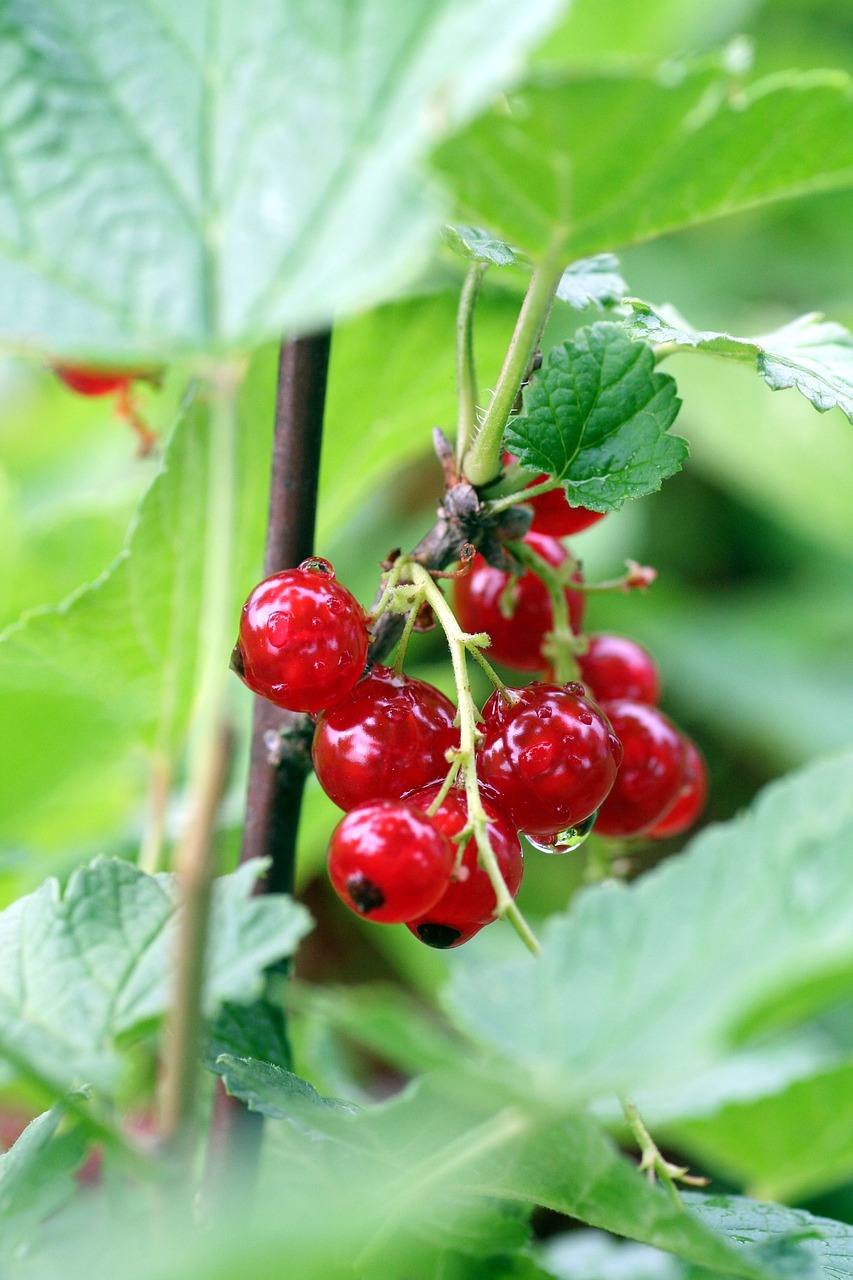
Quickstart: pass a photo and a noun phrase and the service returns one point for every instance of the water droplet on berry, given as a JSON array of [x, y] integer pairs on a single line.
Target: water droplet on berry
[[316, 564], [575, 688], [344, 658], [335, 604], [615, 748], [536, 759], [569, 839], [396, 714], [544, 713], [278, 627], [321, 667], [584, 717]]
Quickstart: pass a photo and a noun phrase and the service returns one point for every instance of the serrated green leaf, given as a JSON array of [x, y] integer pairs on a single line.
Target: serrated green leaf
[[596, 418], [36, 1177], [478, 246], [253, 170], [811, 354], [793, 1243], [271, 1090], [668, 974], [584, 163], [592, 282], [257, 1030], [87, 967]]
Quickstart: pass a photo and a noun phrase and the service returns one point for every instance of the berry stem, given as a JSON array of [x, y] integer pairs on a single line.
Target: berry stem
[[460, 643], [561, 642], [652, 1162], [466, 370], [482, 461], [402, 647], [496, 505]]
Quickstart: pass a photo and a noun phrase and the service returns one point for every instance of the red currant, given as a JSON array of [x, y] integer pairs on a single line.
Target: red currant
[[303, 638], [651, 774], [615, 667], [549, 755], [389, 736], [469, 898], [552, 513], [94, 382], [515, 611], [390, 862], [691, 797], [443, 936]]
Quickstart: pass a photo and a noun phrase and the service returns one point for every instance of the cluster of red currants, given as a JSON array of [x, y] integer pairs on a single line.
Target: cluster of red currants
[[551, 759]]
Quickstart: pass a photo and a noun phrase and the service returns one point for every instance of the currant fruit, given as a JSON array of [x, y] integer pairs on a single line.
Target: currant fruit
[[691, 797], [469, 898], [652, 772], [615, 667], [444, 936], [549, 755], [551, 511], [389, 736], [303, 638], [389, 861], [514, 611], [94, 382]]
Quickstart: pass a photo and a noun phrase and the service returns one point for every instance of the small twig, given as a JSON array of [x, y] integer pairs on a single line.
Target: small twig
[[652, 1161]]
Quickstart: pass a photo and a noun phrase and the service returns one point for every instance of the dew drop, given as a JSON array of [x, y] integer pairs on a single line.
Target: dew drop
[[278, 629], [335, 604], [584, 717], [575, 688], [536, 759], [544, 713], [321, 667], [569, 839], [396, 714]]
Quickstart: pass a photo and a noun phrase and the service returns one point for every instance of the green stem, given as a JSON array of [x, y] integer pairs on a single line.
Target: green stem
[[482, 462], [411, 619], [522, 495], [153, 836], [561, 642], [459, 643], [652, 1161], [466, 370]]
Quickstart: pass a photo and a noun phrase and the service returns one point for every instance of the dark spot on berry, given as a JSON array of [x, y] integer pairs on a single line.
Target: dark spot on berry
[[438, 935], [364, 894]]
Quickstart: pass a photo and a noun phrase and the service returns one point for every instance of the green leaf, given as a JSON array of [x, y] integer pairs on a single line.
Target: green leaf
[[592, 282], [669, 974], [88, 967], [811, 354], [592, 1255], [257, 1030], [36, 1177], [252, 171], [272, 1090], [796, 1244], [478, 246], [596, 417], [584, 163]]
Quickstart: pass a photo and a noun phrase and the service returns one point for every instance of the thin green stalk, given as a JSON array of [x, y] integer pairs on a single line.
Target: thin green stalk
[[459, 642], [466, 370], [482, 462], [496, 505], [402, 647], [153, 836]]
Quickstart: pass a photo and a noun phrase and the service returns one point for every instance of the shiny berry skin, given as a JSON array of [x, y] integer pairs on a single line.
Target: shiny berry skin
[[691, 797], [514, 611], [615, 667], [389, 736], [443, 936], [548, 754], [469, 898], [94, 382], [389, 862], [303, 638], [552, 513], [652, 772]]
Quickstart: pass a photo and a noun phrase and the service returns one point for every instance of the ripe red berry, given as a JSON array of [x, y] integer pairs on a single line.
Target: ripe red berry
[[443, 936], [651, 774], [552, 513], [469, 898], [549, 755], [303, 638], [615, 667], [389, 736], [94, 382], [514, 611], [390, 862], [691, 797]]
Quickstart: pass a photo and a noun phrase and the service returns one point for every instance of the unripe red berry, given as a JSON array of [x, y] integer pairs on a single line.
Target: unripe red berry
[[470, 898], [303, 638], [652, 772], [691, 798], [514, 611], [387, 737], [388, 861], [615, 667], [549, 754]]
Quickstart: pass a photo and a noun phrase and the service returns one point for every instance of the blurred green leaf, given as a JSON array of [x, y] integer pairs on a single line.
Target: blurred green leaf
[[93, 964], [596, 418], [256, 1030], [794, 1243], [36, 1177], [189, 200], [666, 974], [588, 163], [811, 354], [592, 282], [271, 1090], [478, 246]]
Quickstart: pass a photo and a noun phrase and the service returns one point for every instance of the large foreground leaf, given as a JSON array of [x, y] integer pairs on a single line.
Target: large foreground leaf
[[251, 169], [586, 163], [81, 969], [812, 354], [642, 989]]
